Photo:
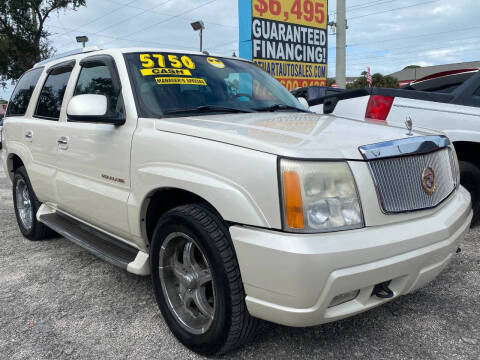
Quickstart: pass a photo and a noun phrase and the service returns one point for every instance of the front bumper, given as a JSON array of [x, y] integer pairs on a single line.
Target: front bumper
[[291, 279]]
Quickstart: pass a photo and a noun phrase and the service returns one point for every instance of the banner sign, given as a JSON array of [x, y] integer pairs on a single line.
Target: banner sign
[[286, 38]]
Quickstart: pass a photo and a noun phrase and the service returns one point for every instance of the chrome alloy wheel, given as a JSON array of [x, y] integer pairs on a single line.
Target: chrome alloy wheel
[[187, 282], [24, 204]]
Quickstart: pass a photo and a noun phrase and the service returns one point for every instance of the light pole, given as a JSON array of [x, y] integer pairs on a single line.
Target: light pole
[[199, 26], [82, 40]]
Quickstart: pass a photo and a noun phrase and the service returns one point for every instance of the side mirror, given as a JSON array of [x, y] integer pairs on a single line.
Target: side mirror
[[92, 108], [304, 102]]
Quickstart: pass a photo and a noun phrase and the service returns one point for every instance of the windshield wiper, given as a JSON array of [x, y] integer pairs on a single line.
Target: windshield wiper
[[277, 107], [208, 108]]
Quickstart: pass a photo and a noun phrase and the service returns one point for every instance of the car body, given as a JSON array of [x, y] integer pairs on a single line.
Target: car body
[[283, 215], [447, 102]]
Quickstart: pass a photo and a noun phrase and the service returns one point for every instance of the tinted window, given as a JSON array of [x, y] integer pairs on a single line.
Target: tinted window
[[51, 97], [97, 79], [23, 92], [169, 83], [477, 92]]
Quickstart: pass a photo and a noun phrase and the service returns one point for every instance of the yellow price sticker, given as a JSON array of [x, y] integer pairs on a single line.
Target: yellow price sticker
[[159, 60], [216, 63], [165, 71]]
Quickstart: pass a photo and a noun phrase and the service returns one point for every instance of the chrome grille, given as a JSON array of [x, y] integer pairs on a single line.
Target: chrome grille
[[399, 180]]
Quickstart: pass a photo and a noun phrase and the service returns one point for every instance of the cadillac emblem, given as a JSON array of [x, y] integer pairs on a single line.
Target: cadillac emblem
[[429, 181]]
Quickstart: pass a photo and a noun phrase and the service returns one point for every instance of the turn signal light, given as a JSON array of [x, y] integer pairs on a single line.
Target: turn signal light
[[293, 200], [378, 107]]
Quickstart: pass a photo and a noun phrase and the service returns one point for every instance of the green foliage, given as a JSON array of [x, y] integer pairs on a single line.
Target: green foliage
[[378, 80], [330, 82], [23, 38]]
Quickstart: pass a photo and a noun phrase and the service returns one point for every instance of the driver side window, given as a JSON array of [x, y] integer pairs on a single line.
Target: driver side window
[[96, 79]]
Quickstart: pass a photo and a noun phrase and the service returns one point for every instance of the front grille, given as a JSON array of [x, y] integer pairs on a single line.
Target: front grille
[[399, 180]]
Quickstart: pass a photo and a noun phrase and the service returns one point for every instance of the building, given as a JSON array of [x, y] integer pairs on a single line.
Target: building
[[406, 76]]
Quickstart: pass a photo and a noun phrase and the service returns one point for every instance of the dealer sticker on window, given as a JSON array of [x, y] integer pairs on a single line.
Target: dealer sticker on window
[[175, 68], [165, 71], [179, 80], [216, 63]]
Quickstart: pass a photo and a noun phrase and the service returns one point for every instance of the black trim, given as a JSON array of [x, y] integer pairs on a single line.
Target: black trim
[[45, 117], [70, 64]]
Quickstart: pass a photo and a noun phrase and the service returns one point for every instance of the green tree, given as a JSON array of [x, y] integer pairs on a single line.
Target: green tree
[[378, 80], [23, 38]]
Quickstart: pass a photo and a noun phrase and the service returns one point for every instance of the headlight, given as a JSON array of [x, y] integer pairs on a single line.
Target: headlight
[[319, 197], [456, 165]]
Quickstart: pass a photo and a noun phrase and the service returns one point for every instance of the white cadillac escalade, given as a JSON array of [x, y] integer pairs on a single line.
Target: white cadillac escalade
[[207, 174]]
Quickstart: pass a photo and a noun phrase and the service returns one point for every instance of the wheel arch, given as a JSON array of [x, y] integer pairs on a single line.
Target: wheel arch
[[468, 151], [161, 200], [13, 163]]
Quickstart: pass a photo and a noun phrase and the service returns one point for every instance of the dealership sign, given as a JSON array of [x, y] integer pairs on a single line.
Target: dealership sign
[[286, 38]]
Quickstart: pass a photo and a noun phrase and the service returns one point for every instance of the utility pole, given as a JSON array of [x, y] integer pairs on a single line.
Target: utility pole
[[341, 29]]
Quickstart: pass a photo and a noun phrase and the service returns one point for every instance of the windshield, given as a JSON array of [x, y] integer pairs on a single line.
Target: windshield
[[169, 84]]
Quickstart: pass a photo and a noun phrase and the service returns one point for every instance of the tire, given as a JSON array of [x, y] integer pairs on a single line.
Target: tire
[[36, 230], [470, 179], [231, 325]]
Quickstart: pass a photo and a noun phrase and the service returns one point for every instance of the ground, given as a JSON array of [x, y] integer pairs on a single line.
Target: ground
[[58, 301]]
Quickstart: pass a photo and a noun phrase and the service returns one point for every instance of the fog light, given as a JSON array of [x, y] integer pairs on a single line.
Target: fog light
[[343, 298]]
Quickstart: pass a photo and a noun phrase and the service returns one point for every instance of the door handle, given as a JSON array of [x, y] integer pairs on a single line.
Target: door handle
[[29, 135], [63, 142]]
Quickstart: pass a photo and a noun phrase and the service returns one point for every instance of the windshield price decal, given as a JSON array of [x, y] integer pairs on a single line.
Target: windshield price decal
[[165, 71], [156, 64], [216, 63], [180, 81], [302, 12]]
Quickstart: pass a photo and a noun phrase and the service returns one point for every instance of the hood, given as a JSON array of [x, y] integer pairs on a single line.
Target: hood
[[298, 135]]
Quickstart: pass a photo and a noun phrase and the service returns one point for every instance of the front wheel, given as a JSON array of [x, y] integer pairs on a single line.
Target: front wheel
[[197, 282]]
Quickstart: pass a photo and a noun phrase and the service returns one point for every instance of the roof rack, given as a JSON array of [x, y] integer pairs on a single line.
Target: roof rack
[[68, 53]]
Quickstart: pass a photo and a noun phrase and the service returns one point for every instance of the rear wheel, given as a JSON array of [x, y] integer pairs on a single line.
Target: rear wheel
[[26, 206], [470, 179], [197, 282]]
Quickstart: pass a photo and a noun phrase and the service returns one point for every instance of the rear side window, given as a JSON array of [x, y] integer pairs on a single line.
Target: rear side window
[[23, 92], [51, 97], [96, 79]]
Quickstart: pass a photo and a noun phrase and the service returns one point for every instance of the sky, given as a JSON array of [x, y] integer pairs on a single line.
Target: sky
[[386, 35]]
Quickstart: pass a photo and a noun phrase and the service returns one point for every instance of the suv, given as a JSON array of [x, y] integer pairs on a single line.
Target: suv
[[206, 173]]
